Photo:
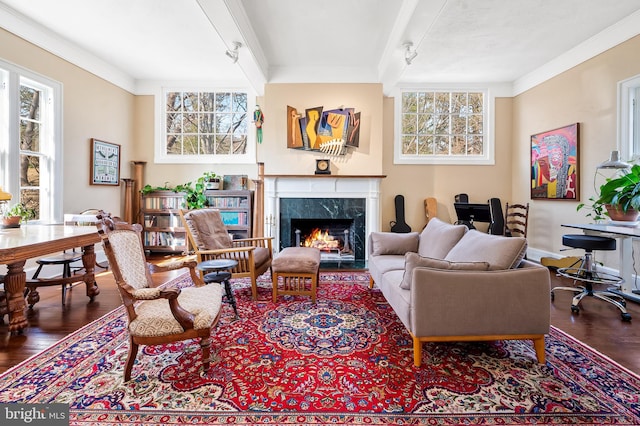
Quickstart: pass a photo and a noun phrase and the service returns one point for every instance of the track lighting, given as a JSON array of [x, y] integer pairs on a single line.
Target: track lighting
[[409, 54], [233, 54]]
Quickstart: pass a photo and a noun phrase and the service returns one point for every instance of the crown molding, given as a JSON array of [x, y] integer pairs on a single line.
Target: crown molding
[[612, 36], [34, 33]]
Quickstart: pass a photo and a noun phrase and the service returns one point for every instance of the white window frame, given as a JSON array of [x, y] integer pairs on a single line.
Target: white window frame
[[488, 156], [160, 155], [628, 132], [51, 144]]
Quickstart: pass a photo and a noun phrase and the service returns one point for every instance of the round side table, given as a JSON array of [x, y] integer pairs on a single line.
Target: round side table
[[220, 274]]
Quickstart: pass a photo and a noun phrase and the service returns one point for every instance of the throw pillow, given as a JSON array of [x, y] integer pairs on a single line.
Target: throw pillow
[[438, 237], [393, 243], [501, 252], [414, 260]]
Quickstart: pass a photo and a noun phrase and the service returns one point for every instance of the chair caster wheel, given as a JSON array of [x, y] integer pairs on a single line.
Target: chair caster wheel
[[626, 317], [552, 296], [575, 309]]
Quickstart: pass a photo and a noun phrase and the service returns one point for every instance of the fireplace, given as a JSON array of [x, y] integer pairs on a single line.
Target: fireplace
[[330, 203], [299, 217]]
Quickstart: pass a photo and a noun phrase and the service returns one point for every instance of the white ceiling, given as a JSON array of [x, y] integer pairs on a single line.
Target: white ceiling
[[134, 42]]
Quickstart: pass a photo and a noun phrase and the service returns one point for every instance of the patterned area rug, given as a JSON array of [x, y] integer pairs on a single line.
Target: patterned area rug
[[346, 359]]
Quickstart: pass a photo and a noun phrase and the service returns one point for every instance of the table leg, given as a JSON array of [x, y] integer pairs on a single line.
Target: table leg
[[89, 263], [14, 284]]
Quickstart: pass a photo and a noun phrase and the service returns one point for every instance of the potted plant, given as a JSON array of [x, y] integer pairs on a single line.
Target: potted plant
[[17, 214], [619, 197], [195, 197], [212, 181]]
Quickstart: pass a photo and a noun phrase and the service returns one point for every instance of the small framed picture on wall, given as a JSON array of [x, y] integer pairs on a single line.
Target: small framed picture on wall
[[105, 163]]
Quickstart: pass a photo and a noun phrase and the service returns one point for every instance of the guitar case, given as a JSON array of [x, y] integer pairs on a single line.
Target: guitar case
[[400, 226]]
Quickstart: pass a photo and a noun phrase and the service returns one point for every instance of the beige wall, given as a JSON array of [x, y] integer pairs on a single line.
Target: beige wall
[[92, 108], [417, 182], [365, 98], [586, 94]]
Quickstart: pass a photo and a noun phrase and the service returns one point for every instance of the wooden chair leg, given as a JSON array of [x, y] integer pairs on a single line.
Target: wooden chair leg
[[371, 283], [131, 358], [205, 346]]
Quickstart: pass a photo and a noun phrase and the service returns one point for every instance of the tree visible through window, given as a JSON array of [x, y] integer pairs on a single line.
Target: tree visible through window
[[30, 150], [206, 123], [442, 123]]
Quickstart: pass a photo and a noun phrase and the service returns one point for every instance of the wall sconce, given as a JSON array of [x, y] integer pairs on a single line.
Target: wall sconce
[[233, 54], [409, 53]]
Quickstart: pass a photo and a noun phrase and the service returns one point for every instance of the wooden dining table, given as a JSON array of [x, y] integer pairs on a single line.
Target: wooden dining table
[[17, 245]]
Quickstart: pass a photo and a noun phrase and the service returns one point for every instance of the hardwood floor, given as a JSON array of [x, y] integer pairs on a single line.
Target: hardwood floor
[[598, 324]]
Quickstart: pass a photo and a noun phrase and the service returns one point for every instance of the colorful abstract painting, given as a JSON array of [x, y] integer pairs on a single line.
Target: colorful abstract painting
[[554, 164]]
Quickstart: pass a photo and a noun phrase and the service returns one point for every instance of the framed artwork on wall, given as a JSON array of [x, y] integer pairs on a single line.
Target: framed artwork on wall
[[105, 163], [554, 164]]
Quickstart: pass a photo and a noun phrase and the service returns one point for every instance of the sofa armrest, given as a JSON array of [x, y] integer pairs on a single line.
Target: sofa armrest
[[459, 303]]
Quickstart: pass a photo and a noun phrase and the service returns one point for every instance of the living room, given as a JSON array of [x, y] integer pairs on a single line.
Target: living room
[[581, 87]]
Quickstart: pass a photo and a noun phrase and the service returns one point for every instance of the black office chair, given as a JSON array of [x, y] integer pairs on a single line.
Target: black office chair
[[585, 271]]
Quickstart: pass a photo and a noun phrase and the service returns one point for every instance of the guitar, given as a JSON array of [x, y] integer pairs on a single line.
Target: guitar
[[399, 226]]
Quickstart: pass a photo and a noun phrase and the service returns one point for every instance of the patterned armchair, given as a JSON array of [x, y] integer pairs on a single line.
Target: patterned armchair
[[157, 315], [209, 239]]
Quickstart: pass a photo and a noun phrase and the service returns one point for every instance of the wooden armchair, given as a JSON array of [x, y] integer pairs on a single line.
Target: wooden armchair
[[209, 239], [157, 315]]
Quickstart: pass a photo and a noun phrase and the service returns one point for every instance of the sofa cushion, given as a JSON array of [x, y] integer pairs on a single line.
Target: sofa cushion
[[438, 237], [393, 243], [414, 260], [499, 251]]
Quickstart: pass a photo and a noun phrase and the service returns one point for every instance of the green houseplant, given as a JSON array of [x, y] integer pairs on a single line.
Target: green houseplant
[[17, 214], [619, 197]]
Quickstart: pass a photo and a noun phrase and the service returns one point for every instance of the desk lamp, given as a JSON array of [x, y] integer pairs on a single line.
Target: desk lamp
[[613, 162], [4, 201]]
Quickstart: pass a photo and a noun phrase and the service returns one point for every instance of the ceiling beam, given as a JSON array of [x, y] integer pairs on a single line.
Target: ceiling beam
[[230, 21], [412, 24]]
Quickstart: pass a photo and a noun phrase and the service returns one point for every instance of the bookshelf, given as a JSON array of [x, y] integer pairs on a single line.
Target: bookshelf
[[235, 208], [162, 227]]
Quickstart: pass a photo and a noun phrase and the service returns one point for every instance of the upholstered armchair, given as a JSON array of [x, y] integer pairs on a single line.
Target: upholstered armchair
[[209, 239], [157, 315]]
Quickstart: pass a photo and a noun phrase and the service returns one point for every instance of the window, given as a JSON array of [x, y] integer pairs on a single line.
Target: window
[[206, 127], [629, 118], [30, 140], [443, 127]]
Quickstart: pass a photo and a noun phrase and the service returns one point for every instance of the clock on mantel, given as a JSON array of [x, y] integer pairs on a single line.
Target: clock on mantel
[[323, 167]]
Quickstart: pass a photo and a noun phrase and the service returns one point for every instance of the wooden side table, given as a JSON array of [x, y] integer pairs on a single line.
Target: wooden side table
[[220, 274]]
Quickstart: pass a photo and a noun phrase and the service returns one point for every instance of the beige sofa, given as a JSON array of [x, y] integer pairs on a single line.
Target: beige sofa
[[448, 283]]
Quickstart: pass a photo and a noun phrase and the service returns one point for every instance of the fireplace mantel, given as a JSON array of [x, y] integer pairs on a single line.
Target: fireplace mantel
[[321, 186], [327, 176]]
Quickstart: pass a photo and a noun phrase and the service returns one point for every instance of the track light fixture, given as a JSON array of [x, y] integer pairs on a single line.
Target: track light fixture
[[233, 54], [409, 53]]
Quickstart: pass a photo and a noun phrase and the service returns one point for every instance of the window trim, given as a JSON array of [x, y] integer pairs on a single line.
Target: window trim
[[160, 155], [626, 119], [488, 158], [50, 210]]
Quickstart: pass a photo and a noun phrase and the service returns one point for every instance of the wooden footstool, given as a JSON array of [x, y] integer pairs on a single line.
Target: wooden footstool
[[299, 268]]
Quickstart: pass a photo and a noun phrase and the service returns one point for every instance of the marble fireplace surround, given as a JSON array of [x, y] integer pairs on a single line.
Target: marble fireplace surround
[[321, 187]]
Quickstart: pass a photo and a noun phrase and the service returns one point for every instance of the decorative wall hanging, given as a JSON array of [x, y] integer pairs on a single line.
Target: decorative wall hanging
[[554, 164], [105, 163], [331, 131], [258, 120]]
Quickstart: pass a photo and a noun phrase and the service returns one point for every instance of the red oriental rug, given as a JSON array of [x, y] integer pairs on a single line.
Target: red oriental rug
[[346, 359]]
